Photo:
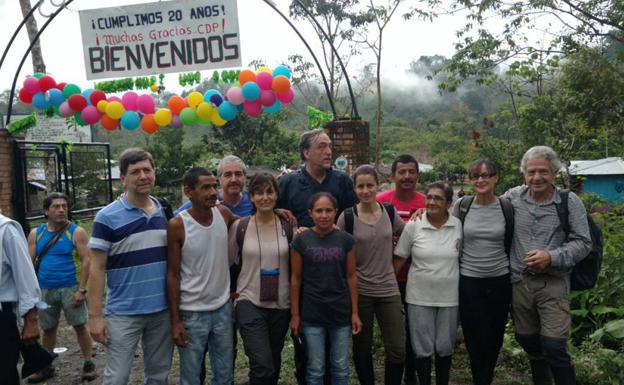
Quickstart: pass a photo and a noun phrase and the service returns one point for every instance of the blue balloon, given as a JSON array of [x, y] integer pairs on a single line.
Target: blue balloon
[[216, 99], [130, 120], [209, 94], [39, 101], [274, 108], [55, 97], [86, 93], [251, 91], [282, 70], [227, 110]]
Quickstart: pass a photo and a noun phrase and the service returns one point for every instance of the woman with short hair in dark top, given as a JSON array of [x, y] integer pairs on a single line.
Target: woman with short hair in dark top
[[373, 228], [484, 283], [323, 292]]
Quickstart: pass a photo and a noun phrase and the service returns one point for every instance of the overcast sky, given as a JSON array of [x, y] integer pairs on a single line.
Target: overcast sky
[[264, 35]]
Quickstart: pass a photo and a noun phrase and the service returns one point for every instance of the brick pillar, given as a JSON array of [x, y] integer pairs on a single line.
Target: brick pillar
[[6, 173], [350, 138]]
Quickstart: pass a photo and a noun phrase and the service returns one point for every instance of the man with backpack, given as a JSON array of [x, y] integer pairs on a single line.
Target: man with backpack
[[543, 253], [60, 254]]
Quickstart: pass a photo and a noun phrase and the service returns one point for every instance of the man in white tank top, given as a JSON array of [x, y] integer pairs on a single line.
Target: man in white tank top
[[198, 281]]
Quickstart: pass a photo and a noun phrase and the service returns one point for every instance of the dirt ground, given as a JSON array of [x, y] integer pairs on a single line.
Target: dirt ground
[[69, 365]]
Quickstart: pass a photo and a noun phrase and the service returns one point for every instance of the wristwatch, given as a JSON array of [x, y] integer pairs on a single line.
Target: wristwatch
[[82, 290]]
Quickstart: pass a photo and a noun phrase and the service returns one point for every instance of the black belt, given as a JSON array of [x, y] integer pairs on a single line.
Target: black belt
[[7, 306]]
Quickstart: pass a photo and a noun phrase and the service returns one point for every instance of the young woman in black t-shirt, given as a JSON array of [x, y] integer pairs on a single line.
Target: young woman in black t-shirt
[[323, 292]]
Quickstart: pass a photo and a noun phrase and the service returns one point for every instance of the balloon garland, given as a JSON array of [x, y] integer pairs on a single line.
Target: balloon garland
[[265, 90]]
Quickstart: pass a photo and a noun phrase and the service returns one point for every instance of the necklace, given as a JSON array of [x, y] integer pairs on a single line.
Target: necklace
[[279, 254]]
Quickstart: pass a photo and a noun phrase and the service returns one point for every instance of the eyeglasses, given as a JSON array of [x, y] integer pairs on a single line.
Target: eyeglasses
[[482, 176], [437, 198]]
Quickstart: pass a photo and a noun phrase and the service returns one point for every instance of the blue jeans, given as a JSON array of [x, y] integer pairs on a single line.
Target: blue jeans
[[215, 330], [314, 340]]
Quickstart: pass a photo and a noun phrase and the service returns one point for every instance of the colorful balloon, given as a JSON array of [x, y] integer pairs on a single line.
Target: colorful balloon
[[69, 90], [235, 96], [274, 108], [188, 117], [130, 120], [90, 115], [115, 110], [194, 98], [55, 97], [204, 110], [96, 96], [39, 101], [175, 122], [129, 101], [176, 104], [25, 96], [263, 69], [267, 97], [251, 91], [282, 70], [216, 119], [287, 97], [38, 74], [154, 88], [31, 85], [79, 120], [227, 110], [109, 123], [46, 82], [252, 108], [149, 125], [281, 84], [163, 116], [264, 80], [101, 106], [77, 102], [87, 94], [208, 94], [146, 104], [216, 99], [246, 76], [66, 110]]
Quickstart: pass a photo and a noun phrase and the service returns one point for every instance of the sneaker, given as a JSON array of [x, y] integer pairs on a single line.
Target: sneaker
[[41, 375], [88, 371]]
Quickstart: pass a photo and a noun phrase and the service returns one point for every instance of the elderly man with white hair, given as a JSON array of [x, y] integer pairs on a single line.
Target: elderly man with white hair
[[542, 257]]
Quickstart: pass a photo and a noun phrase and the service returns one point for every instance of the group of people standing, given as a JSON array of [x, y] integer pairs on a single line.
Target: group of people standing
[[322, 255]]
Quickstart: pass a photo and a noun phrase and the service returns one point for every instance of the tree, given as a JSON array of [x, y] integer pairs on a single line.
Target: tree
[[380, 16], [32, 29]]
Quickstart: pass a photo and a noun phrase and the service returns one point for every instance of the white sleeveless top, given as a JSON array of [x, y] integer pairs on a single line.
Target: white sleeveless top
[[204, 269]]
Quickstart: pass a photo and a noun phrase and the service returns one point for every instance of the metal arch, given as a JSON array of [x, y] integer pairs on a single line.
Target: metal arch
[[318, 64], [32, 43], [19, 27], [354, 112]]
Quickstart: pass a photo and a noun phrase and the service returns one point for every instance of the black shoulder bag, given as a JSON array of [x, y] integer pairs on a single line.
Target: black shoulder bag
[[49, 245]]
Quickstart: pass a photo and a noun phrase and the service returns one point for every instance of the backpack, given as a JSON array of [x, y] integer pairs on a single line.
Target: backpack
[[352, 211], [508, 213], [236, 268], [166, 206], [585, 272]]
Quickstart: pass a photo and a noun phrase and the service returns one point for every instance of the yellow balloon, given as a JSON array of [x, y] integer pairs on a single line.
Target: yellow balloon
[[115, 110], [217, 120], [101, 106], [194, 98], [204, 110], [264, 69], [154, 88], [163, 116]]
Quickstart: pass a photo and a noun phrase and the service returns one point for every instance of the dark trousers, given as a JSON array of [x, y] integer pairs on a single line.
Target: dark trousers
[[263, 331], [10, 346], [410, 369], [483, 312]]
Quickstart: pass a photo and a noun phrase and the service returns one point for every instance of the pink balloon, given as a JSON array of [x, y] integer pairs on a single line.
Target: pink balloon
[[146, 104], [252, 108], [235, 96], [90, 115], [66, 110], [114, 99], [129, 100], [31, 85], [267, 97], [264, 80], [175, 122], [287, 97]]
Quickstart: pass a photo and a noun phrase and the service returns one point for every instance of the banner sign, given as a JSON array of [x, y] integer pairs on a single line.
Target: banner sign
[[167, 36], [56, 129]]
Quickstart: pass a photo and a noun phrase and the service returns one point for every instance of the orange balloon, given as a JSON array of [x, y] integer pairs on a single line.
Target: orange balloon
[[176, 104], [280, 84], [246, 76], [109, 123], [148, 124]]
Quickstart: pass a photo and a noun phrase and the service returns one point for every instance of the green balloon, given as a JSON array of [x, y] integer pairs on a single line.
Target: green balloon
[[38, 74], [188, 117], [203, 122], [69, 90], [56, 111], [79, 120]]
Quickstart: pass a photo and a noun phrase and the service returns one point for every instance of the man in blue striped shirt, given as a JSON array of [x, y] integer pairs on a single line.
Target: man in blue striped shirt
[[129, 243]]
